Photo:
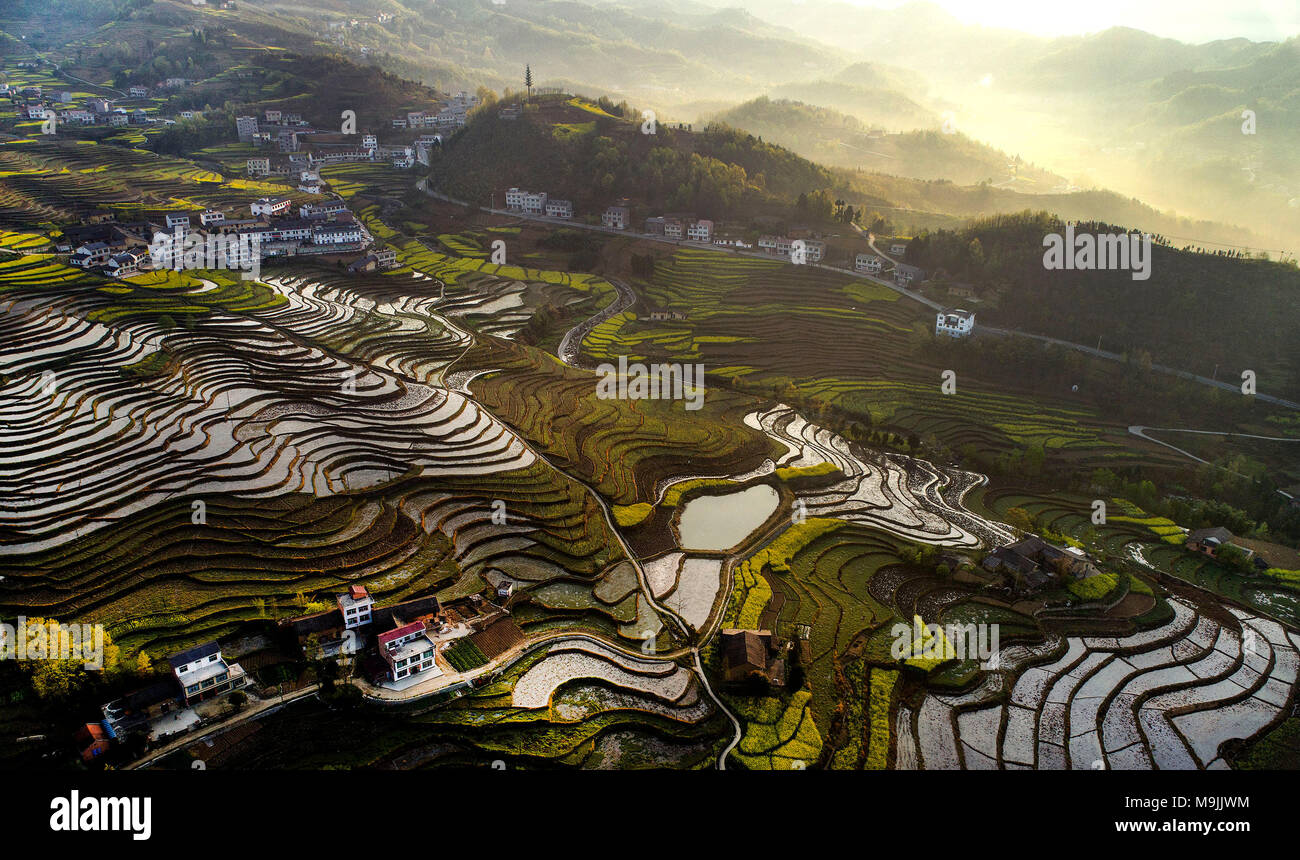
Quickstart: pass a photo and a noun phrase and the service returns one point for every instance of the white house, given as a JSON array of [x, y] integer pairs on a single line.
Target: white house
[[259, 166], [700, 231], [408, 651], [954, 322], [271, 206], [617, 216], [355, 605], [324, 209], [559, 208], [531, 202], [869, 263], [203, 673], [138, 92], [90, 254], [177, 219], [211, 216], [336, 234]]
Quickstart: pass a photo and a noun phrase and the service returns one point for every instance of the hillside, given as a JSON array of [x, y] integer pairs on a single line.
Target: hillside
[[836, 139], [1187, 292]]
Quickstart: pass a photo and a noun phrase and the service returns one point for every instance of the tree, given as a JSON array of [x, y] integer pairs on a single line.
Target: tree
[[528, 80], [1020, 519]]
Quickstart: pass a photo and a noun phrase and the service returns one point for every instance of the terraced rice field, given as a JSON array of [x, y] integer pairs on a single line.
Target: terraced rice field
[[177, 479], [1168, 698]]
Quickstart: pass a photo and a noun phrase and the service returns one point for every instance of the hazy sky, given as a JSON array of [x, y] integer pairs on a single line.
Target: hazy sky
[[1187, 20]]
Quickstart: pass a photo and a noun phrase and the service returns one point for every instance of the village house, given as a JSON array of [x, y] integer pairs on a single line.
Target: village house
[[617, 216], [750, 655], [337, 234], [126, 264], [1211, 541], [90, 255], [528, 202], [324, 210], [1031, 563], [700, 231], [954, 322], [355, 605], [408, 651], [869, 263], [906, 274], [138, 92], [271, 206], [204, 674], [92, 741], [259, 166], [559, 209]]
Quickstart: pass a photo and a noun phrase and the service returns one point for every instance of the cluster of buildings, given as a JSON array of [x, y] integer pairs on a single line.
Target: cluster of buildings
[[123, 249], [302, 147], [450, 115], [1032, 563], [198, 674], [396, 646], [406, 643], [538, 203], [784, 246], [680, 227], [32, 103]]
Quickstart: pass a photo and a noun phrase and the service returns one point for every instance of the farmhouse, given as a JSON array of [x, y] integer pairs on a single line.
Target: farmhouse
[[906, 274], [408, 651], [125, 264], [559, 208], [954, 322], [204, 674], [271, 206], [90, 255], [700, 231], [749, 655], [325, 209], [355, 605], [1032, 563], [1210, 541], [93, 741], [617, 216], [530, 202], [869, 263]]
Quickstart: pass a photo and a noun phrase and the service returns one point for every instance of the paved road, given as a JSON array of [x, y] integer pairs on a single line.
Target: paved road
[[570, 349], [1141, 431]]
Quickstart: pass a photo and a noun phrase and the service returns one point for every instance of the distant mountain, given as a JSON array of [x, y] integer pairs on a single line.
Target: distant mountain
[[836, 139]]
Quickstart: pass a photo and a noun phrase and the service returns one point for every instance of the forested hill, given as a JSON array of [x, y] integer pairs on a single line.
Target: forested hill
[[1242, 314], [584, 152]]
